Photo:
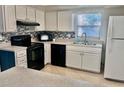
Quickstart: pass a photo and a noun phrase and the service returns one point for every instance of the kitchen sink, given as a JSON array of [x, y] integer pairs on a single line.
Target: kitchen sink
[[88, 44], [85, 43]]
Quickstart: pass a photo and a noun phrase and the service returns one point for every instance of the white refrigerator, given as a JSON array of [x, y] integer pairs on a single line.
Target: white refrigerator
[[114, 62]]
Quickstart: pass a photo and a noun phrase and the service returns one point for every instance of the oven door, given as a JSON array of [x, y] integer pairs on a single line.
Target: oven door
[[35, 57]]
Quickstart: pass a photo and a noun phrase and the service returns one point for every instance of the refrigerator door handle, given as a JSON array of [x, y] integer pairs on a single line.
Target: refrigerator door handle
[[110, 28], [110, 46]]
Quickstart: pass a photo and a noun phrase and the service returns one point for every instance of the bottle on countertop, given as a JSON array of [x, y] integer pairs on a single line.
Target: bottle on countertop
[[54, 40]]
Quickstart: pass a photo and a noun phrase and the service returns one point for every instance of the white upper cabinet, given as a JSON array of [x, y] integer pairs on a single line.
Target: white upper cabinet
[[2, 21], [10, 20], [21, 12], [51, 21], [40, 19], [65, 21], [30, 14]]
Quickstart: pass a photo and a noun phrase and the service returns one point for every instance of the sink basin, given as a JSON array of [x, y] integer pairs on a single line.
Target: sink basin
[[88, 44], [78, 43]]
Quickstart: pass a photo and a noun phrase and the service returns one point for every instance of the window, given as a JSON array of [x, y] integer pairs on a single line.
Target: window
[[88, 23]]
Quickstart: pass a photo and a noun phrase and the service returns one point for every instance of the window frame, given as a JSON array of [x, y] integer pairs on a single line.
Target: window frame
[[76, 23]]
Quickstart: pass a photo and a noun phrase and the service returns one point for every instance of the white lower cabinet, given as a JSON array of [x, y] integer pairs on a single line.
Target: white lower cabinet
[[47, 52], [21, 58], [84, 58], [73, 59], [91, 62]]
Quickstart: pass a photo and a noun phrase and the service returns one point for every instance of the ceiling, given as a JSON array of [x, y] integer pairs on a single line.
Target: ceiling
[[69, 7]]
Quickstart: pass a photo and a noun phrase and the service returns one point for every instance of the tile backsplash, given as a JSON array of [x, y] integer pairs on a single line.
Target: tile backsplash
[[60, 35], [30, 30], [21, 28]]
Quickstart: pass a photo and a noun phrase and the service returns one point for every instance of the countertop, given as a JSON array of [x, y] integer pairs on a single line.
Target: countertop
[[69, 43], [23, 77], [8, 47]]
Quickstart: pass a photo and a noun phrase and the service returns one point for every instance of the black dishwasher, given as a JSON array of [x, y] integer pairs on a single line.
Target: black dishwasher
[[58, 55]]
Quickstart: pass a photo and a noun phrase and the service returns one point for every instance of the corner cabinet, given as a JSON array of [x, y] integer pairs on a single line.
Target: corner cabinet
[[51, 21], [40, 18], [86, 58], [65, 22], [10, 20]]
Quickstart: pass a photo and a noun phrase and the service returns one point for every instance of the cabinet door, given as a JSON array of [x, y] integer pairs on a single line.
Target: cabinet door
[[73, 59], [21, 12], [47, 53], [40, 19], [2, 19], [10, 19], [65, 21], [30, 14], [51, 21], [91, 62]]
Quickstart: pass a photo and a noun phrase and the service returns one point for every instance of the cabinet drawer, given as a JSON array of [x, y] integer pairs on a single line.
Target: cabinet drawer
[[21, 53], [92, 50], [74, 48], [22, 60], [83, 49]]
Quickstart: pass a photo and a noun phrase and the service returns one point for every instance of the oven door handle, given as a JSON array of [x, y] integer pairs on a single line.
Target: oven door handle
[[17, 39], [35, 47]]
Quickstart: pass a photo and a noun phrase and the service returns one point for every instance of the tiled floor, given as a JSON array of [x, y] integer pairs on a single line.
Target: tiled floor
[[82, 75]]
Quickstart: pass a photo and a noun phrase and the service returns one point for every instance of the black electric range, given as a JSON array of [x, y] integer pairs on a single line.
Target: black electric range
[[35, 51]]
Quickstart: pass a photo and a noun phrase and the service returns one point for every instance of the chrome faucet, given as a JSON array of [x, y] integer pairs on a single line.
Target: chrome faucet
[[85, 38]]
